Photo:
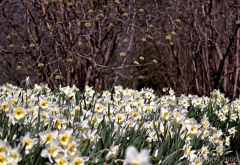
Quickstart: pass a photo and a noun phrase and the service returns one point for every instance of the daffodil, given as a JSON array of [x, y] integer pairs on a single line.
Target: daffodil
[[147, 108], [77, 159], [120, 118], [99, 108], [136, 115], [55, 110], [90, 136], [233, 117], [5, 159], [44, 116], [61, 160], [165, 113], [133, 157], [65, 136], [205, 123], [127, 92], [4, 146], [139, 103], [72, 147], [192, 128], [47, 136], [118, 89], [5, 106], [82, 126], [37, 88], [28, 142], [216, 137], [189, 153], [69, 92], [185, 103], [225, 109], [232, 131], [112, 152], [152, 136], [197, 161], [220, 150], [43, 104], [89, 91], [15, 154], [52, 150], [17, 115], [95, 119], [149, 95], [197, 101], [32, 112], [222, 117], [178, 117], [204, 152]]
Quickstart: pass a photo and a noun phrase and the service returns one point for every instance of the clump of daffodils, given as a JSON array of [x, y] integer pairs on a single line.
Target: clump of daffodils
[[86, 127]]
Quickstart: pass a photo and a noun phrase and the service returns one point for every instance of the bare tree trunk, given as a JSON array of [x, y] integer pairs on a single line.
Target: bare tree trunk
[[236, 78]]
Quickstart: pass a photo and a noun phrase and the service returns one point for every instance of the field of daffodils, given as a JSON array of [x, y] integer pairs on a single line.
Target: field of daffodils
[[72, 127]]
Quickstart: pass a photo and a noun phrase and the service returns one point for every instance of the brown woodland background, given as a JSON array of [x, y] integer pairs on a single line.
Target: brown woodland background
[[192, 46]]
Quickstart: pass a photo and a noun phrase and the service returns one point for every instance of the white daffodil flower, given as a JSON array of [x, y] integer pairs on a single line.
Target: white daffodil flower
[[133, 157]]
